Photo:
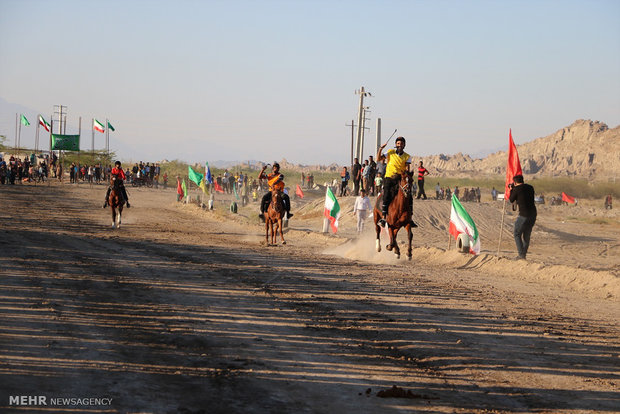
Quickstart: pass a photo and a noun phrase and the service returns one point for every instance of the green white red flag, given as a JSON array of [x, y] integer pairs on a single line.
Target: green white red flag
[[98, 126], [461, 222], [332, 209], [44, 123]]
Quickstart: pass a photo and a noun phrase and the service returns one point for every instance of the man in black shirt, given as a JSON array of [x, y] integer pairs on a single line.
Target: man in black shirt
[[523, 194]]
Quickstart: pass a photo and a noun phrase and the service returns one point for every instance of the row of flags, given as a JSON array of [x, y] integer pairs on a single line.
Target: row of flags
[[97, 126]]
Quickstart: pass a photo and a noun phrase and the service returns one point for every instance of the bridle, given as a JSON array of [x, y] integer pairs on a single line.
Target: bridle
[[407, 188]]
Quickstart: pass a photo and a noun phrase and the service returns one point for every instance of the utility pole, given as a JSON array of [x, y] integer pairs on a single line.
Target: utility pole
[[352, 125], [378, 132], [362, 93], [364, 119], [61, 112]]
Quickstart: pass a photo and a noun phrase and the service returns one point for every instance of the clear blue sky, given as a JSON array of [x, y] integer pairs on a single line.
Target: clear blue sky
[[234, 80]]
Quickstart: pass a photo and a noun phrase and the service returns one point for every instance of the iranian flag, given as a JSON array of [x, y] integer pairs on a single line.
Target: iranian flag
[[44, 123], [332, 209], [98, 126], [461, 222]]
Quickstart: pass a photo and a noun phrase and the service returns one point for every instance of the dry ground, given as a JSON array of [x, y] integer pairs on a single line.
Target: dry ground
[[183, 310]]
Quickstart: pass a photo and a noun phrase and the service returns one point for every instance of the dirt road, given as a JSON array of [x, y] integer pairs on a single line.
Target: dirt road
[[183, 310]]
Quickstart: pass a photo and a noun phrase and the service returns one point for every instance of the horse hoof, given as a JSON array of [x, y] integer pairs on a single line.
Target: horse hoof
[[409, 258], [378, 246], [398, 256], [283, 242], [389, 247]]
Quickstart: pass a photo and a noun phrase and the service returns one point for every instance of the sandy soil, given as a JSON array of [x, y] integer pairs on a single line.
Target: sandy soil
[[186, 311]]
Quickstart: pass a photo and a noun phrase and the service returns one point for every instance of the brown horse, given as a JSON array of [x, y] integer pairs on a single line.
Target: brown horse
[[273, 218], [398, 215], [116, 201]]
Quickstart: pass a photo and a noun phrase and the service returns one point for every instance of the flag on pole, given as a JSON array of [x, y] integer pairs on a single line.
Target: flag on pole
[[44, 123], [194, 176], [179, 187], [184, 187], [98, 126], [217, 187], [461, 222], [332, 209], [235, 190], [567, 198], [24, 121], [203, 186], [298, 191], [110, 127], [208, 177], [513, 167]]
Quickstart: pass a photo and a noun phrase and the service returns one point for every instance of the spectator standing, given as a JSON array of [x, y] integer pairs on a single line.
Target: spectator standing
[[523, 195], [608, 202], [344, 181], [494, 194], [421, 173], [371, 175], [361, 209], [437, 191]]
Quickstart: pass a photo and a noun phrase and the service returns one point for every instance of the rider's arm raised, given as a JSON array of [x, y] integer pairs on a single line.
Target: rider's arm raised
[[380, 157]]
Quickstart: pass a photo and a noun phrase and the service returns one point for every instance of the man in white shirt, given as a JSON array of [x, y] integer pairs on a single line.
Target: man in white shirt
[[361, 208]]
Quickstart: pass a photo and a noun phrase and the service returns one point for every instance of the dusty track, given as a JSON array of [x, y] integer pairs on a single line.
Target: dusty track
[[184, 311]]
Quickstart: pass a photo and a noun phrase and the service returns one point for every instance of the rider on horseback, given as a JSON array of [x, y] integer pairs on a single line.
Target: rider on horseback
[[398, 161], [275, 180], [120, 174]]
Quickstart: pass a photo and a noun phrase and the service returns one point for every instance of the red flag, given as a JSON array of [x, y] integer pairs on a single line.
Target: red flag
[[180, 188], [217, 187], [298, 191], [567, 198], [513, 167]]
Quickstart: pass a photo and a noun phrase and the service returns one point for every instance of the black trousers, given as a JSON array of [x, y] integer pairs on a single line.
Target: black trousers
[[421, 189], [123, 192], [264, 204], [389, 188]]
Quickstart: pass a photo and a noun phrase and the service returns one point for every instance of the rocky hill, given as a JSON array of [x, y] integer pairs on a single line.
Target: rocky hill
[[587, 149]]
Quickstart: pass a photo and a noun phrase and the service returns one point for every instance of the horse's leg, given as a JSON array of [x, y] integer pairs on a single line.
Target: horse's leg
[[119, 215], [267, 230], [410, 236], [377, 230], [394, 242], [113, 216], [281, 231], [274, 231]]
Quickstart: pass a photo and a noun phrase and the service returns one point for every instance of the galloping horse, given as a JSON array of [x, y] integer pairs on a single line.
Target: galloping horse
[[398, 215], [273, 217], [116, 201]]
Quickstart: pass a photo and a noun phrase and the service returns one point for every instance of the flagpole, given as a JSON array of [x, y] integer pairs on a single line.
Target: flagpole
[[92, 141], [36, 138], [501, 227], [19, 136], [107, 134], [15, 143]]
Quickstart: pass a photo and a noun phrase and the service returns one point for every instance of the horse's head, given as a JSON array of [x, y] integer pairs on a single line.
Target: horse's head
[[115, 181], [406, 180]]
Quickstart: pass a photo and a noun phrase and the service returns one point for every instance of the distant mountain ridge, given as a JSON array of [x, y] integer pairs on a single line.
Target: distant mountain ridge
[[586, 149]]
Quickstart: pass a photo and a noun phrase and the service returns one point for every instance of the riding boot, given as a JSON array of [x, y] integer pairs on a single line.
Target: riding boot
[[107, 195], [126, 198], [411, 213]]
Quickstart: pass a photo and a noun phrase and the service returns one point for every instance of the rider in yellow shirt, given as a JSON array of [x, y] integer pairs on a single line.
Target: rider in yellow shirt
[[398, 161], [275, 180]]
